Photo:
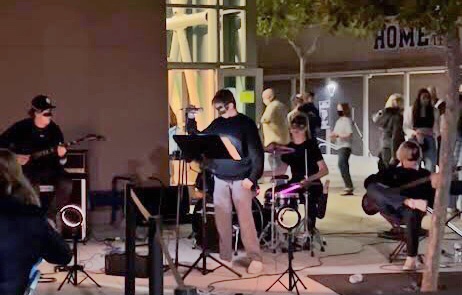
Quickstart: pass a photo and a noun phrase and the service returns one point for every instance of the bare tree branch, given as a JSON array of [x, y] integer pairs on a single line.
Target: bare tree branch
[[312, 48], [297, 48]]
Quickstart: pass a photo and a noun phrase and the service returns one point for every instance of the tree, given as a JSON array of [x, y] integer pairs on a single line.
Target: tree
[[443, 18], [287, 19]]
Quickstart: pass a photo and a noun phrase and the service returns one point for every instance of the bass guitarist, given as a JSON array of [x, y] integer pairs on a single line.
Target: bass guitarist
[[34, 134]]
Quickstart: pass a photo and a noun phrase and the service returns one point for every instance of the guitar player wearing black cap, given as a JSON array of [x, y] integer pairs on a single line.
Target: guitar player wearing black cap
[[32, 135]]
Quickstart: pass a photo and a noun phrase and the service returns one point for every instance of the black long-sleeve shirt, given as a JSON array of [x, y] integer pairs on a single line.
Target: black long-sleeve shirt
[[25, 138], [395, 177], [243, 134]]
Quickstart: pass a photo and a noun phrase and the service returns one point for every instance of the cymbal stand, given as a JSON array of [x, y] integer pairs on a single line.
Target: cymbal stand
[[271, 226]]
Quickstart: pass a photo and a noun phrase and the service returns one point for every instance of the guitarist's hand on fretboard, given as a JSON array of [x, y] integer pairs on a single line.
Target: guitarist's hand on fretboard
[[61, 150]]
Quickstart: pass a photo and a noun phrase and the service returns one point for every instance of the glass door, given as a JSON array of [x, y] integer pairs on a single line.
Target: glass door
[[247, 86]]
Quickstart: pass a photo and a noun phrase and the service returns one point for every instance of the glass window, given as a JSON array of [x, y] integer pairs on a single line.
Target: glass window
[[193, 2], [233, 2], [192, 35], [233, 36]]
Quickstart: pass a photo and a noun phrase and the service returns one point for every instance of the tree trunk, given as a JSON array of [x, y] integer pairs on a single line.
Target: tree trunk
[[448, 132], [302, 74]]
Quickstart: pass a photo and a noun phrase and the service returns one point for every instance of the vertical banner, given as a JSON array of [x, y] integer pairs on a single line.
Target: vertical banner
[[324, 107]]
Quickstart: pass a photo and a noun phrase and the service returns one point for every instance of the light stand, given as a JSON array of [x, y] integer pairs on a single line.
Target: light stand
[[73, 270], [294, 279]]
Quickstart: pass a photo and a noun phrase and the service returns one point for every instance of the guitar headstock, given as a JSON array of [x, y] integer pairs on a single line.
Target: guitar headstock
[[94, 137]]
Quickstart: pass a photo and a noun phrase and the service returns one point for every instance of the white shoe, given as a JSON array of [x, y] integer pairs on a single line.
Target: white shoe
[[255, 267], [412, 264]]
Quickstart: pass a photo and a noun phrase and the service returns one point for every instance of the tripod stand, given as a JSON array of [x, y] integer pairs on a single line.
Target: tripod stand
[[203, 148], [294, 279], [73, 270]]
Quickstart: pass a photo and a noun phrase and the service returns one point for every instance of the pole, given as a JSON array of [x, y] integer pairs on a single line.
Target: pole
[[130, 232]]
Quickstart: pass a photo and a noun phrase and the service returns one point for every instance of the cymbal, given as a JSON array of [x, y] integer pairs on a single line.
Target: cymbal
[[279, 149]]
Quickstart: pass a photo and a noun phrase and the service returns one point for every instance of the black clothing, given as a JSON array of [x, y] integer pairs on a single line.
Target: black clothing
[[313, 117], [426, 121], [397, 176], [296, 160], [24, 137], [392, 205], [26, 237], [390, 121], [243, 134]]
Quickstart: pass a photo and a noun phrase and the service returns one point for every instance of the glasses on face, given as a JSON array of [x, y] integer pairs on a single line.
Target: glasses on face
[[47, 114]]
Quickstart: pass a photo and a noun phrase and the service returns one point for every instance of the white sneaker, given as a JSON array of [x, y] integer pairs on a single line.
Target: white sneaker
[[255, 267], [412, 264]]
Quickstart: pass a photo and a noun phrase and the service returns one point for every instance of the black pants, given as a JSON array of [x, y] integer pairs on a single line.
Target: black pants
[[52, 202], [392, 207]]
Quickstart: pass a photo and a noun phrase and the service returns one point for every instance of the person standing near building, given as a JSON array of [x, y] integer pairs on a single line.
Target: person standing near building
[[419, 122], [308, 108], [297, 101], [439, 106], [236, 180], [390, 122], [273, 120], [343, 136]]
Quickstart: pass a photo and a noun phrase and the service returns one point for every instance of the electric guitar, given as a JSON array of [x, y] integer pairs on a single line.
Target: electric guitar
[[42, 153], [370, 207]]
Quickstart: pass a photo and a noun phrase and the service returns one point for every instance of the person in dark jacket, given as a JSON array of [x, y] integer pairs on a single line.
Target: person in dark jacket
[[309, 108], [407, 205], [390, 122], [26, 235], [35, 134]]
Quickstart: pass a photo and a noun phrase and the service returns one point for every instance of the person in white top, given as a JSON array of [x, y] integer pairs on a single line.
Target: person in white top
[[273, 120], [343, 136]]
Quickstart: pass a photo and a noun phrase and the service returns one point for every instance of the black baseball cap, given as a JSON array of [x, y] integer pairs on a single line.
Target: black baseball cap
[[41, 103]]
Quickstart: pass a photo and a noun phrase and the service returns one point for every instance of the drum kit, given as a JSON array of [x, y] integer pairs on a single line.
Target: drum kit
[[279, 203]]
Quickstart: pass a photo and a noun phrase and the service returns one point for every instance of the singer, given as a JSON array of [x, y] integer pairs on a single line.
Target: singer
[[235, 181]]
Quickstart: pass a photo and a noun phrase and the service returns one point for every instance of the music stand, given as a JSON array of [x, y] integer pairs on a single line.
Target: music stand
[[202, 148]]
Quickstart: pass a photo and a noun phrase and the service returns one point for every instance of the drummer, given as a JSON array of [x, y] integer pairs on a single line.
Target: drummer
[[306, 164]]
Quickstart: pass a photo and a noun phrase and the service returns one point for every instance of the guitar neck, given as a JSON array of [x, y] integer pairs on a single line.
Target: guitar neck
[[52, 150]]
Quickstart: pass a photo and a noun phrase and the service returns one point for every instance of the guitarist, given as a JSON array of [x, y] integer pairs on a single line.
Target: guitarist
[[405, 206], [34, 134]]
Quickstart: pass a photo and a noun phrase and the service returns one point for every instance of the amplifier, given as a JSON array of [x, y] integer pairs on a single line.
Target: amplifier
[[76, 161], [115, 265]]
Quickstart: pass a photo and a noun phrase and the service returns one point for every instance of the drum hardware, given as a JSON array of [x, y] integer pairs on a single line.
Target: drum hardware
[[274, 150], [289, 218]]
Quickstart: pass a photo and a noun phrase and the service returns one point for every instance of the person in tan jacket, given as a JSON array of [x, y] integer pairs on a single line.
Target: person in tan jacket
[[274, 120]]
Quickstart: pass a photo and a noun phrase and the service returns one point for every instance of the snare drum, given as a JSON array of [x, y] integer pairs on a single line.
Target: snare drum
[[290, 200]]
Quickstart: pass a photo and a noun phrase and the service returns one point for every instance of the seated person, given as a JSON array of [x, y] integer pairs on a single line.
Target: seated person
[[26, 235], [408, 205], [310, 174]]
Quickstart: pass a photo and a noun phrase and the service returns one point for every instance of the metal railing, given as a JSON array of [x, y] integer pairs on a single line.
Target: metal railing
[[156, 247]]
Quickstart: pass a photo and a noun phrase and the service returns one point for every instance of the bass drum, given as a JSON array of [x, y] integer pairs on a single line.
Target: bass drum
[[212, 233]]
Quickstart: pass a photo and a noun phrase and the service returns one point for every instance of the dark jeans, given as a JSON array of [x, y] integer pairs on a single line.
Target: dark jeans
[[391, 206], [344, 166], [52, 202]]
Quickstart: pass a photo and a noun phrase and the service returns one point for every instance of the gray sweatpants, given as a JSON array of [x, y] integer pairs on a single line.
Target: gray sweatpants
[[225, 194]]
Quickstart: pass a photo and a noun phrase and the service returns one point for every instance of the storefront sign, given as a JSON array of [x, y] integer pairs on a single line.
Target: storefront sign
[[393, 37], [324, 107]]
